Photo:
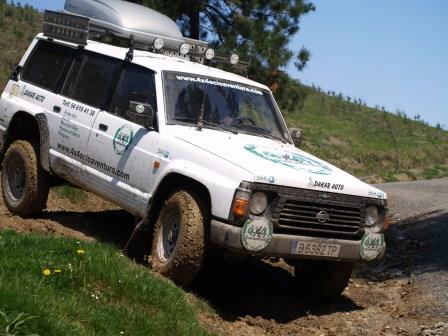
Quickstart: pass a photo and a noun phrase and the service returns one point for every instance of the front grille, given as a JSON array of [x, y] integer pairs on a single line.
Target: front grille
[[294, 211], [300, 217]]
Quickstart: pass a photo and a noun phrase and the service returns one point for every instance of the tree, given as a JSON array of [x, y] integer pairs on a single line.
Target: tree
[[258, 30]]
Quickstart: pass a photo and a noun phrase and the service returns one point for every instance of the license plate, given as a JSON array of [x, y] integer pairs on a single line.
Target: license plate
[[311, 248]]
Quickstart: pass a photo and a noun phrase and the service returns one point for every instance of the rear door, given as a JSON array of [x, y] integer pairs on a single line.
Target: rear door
[[85, 91]]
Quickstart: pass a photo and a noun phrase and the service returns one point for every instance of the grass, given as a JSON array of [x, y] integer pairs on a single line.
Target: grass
[[73, 194], [369, 143], [63, 287]]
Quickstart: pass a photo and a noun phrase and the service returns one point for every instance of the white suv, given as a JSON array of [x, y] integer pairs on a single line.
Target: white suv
[[203, 156]]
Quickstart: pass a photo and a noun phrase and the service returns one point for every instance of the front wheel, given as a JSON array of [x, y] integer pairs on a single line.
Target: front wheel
[[178, 246], [25, 184], [323, 280]]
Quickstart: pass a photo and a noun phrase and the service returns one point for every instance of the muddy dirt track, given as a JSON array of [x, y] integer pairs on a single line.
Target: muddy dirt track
[[404, 294]]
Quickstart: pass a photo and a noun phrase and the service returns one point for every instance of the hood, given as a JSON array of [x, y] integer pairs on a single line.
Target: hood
[[273, 162]]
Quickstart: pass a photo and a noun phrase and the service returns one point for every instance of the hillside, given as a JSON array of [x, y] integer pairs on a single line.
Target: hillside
[[370, 143]]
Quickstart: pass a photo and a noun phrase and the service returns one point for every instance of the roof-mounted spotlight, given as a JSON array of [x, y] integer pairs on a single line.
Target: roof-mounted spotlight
[[209, 54], [158, 43], [184, 48], [234, 59]]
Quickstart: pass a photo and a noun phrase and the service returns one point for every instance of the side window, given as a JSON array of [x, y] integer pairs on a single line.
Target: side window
[[46, 64], [90, 78], [136, 84]]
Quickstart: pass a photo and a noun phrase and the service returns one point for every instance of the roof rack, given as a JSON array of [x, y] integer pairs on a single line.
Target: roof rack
[[132, 26]]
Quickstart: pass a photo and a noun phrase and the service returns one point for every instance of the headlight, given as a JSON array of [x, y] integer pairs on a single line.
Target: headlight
[[374, 220], [258, 203], [372, 216]]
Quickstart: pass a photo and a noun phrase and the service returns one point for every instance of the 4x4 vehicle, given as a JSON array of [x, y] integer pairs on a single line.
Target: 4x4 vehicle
[[203, 156]]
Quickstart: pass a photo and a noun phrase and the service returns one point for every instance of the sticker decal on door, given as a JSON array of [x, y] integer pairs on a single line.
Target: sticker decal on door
[[123, 139]]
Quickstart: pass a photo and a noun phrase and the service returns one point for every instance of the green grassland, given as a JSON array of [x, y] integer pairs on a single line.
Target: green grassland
[[91, 289], [370, 143]]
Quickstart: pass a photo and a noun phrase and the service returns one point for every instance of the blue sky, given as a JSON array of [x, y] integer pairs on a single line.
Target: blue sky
[[389, 53]]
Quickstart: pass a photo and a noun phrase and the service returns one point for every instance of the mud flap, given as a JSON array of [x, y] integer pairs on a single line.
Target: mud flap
[[139, 243]]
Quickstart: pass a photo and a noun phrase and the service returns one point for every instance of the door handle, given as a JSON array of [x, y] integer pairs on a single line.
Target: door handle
[[56, 109], [103, 127]]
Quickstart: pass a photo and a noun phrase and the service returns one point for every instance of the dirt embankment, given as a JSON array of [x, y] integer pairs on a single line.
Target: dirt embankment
[[404, 294]]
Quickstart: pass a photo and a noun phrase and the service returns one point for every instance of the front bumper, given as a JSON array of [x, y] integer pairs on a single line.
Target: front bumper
[[281, 245]]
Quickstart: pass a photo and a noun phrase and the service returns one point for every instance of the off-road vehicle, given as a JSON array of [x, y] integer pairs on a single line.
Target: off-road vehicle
[[113, 99]]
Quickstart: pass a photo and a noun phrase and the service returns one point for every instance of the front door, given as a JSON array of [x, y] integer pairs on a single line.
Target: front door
[[122, 152]]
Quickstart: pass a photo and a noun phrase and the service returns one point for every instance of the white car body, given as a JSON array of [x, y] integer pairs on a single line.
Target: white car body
[[86, 156]]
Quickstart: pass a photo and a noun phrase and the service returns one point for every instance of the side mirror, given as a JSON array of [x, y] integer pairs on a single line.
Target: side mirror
[[296, 136], [15, 73], [141, 113]]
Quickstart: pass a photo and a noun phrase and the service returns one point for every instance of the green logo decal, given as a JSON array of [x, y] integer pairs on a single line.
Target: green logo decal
[[292, 160], [122, 139], [372, 246], [256, 234]]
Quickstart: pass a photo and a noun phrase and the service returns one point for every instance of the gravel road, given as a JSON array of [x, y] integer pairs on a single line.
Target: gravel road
[[416, 198]]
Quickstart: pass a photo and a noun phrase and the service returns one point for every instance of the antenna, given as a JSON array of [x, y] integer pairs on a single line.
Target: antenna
[[130, 53]]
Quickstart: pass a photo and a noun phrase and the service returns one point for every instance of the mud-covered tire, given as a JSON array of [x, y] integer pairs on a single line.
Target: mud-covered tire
[[322, 280], [181, 258], [25, 184]]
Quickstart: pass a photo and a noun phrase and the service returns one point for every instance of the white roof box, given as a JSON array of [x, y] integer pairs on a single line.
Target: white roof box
[[123, 19]]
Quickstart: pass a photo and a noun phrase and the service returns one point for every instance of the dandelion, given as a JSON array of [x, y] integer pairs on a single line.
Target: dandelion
[[81, 252], [46, 272]]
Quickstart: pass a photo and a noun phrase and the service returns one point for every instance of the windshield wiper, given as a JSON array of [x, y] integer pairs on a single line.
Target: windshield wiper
[[259, 131], [207, 124]]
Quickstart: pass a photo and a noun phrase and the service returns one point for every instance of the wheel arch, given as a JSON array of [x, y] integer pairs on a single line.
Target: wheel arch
[[175, 181], [33, 128]]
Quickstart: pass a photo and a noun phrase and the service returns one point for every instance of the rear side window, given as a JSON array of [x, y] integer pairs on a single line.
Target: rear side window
[[91, 78], [46, 65], [136, 84]]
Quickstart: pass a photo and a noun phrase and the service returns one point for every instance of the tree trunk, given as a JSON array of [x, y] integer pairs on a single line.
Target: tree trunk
[[195, 22]]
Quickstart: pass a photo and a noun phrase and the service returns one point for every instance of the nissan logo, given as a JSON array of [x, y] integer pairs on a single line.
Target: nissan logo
[[322, 216]]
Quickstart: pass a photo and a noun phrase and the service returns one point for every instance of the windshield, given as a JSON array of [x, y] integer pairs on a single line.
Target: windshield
[[222, 104]]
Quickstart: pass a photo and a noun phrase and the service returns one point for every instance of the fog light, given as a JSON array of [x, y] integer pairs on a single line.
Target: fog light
[[209, 54], [258, 203], [158, 43], [234, 59], [184, 48]]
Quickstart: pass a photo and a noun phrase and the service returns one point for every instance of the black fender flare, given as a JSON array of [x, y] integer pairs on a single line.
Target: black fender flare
[[44, 141]]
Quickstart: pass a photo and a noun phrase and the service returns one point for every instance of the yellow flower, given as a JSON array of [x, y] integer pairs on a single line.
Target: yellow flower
[[57, 271], [81, 252], [46, 272]]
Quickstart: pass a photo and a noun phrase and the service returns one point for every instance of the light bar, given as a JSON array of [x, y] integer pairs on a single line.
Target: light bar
[[78, 29], [70, 28]]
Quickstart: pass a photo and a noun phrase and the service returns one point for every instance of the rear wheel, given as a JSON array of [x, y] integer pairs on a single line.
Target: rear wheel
[[25, 184], [323, 280], [178, 246]]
